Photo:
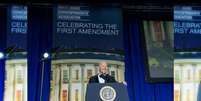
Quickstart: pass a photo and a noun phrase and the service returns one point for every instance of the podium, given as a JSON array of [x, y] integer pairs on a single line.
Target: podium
[[106, 92]]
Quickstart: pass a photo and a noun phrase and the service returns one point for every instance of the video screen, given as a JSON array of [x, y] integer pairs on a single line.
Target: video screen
[[84, 38], [187, 76], [16, 68], [187, 28], [86, 27], [158, 45]]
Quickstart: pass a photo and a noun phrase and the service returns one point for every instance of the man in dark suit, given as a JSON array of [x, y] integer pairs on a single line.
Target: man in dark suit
[[102, 76]]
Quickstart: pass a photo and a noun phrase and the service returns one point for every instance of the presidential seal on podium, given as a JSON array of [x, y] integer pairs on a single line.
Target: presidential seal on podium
[[107, 93]]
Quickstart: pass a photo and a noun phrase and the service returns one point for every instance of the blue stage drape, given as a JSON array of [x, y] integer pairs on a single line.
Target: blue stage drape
[[39, 41], [138, 88], [3, 33]]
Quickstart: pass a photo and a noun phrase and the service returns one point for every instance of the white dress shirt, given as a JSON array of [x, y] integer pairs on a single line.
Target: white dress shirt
[[100, 79]]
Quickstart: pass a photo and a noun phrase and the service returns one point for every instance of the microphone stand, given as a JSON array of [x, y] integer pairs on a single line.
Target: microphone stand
[[42, 72]]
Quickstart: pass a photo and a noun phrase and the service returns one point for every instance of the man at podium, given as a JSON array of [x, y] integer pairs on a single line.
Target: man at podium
[[102, 76], [104, 87]]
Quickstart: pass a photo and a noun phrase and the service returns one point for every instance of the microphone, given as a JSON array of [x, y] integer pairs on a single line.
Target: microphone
[[103, 75], [55, 52], [11, 49]]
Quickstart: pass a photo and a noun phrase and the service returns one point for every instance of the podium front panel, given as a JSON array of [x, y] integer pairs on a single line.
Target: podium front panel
[[93, 91]]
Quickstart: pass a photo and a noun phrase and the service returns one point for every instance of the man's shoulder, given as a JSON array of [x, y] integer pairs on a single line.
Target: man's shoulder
[[94, 76], [110, 76], [111, 79], [93, 79]]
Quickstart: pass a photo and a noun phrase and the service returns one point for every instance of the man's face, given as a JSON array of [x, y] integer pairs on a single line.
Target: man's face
[[103, 67]]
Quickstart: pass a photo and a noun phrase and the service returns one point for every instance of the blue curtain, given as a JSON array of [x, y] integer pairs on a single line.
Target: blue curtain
[[2, 49], [39, 41], [138, 88]]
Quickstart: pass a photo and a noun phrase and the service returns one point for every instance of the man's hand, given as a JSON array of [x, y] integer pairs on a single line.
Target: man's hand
[[125, 83]]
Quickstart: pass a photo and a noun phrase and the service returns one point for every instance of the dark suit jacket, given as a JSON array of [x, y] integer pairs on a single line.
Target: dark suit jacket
[[107, 78]]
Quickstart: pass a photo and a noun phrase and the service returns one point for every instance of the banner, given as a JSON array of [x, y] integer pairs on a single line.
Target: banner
[[17, 27], [85, 27], [187, 28]]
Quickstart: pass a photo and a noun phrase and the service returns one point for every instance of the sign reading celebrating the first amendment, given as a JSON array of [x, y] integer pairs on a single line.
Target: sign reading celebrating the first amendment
[[88, 27], [187, 28], [17, 26], [18, 19]]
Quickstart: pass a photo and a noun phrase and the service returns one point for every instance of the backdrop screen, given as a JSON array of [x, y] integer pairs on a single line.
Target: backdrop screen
[[17, 27], [90, 32], [187, 28], [87, 27], [159, 49]]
